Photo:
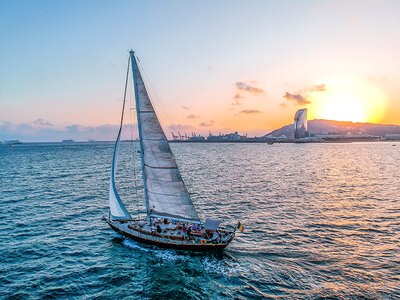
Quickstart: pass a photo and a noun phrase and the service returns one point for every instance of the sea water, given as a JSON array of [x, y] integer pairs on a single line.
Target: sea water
[[321, 220]]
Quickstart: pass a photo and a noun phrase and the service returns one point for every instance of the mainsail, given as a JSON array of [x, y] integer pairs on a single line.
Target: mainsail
[[165, 192]]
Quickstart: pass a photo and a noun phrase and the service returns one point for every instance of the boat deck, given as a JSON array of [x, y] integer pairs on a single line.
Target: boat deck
[[171, 235]]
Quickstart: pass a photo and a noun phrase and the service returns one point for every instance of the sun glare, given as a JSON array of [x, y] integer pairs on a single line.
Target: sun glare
[[344, 108], [348, 100]]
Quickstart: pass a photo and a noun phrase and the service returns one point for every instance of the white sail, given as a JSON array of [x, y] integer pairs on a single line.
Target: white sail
[[117, 208], [165, 192]]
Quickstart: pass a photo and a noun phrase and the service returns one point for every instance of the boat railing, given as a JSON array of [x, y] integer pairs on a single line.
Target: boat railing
[[187, 240], [161, 239]]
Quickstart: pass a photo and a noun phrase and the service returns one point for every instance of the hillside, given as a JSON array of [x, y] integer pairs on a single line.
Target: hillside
[[339, 127]]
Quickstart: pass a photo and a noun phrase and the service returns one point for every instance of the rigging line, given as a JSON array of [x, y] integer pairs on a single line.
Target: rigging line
[[158, 98], [126, 86], [123, 103]]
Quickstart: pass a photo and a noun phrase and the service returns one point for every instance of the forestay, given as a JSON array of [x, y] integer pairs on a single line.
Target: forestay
[[165, 192]]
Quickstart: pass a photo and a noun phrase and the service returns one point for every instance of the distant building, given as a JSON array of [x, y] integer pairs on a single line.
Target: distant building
[[300, 124], [198, 138], [225, 137], [393, 136]]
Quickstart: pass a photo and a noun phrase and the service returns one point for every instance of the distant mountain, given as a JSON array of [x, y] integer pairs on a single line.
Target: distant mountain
[[339, 127]]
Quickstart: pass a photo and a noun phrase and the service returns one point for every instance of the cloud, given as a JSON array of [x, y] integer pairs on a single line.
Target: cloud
[[106, 132], [238, 96], [192, 116], [30, 132], [245, 87], [35, 132], [250, 111], [185, 107], [73, 128], [42, 122], [298, 99], [181, 127], [283, 104], [318, 88], [301, 97]]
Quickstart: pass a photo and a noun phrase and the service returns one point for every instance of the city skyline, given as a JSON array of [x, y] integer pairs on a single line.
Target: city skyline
[[215, 66]]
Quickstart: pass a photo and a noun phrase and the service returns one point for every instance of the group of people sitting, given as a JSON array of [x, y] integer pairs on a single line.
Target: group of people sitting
[[194, 229], [188, 229]]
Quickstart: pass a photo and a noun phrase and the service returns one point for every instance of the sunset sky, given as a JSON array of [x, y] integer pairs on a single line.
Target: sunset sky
[[218, 66]]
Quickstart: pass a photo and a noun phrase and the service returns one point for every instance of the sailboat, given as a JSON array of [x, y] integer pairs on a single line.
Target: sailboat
[[171, 218]]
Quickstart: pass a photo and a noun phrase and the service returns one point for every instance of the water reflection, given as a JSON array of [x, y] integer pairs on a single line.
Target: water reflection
[[321, 220]]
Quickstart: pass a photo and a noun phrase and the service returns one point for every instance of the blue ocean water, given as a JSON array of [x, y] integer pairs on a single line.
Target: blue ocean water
[[321, 220]]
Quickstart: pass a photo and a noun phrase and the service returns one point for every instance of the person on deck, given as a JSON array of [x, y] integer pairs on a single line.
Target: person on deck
[[219, 236], [184, 230]]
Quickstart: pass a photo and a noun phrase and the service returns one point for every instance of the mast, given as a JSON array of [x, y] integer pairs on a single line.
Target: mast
[[133, 61]]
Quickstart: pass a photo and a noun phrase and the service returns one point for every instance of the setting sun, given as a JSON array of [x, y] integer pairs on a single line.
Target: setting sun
[[348, 100]]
